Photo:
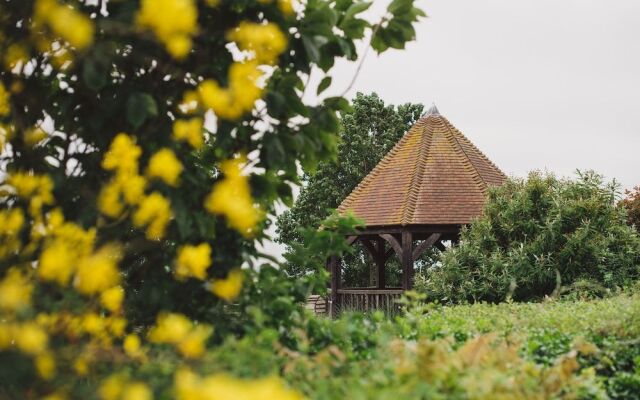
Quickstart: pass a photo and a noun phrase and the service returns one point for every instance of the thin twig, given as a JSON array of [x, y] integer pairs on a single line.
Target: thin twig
[[364, 56]]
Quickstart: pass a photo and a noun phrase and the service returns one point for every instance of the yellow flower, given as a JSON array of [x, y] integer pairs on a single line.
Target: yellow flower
[[265, 41], [81, 366], [286, 7], [230, 287], [31, 339], [6, 131], [98, 271], [193, 345], [231, 197], [170, 328], [109, 200], [165, 165], [111, 299], [239, 98], [15, 291], [5, 106], [172, 21], [14, 55], [56, 263], [45, 366], [190, 102], [92, 324], [111, 388], [132, 187], [122, 156], [131, 345], [136, 391], [34, 136], [116, 326], [193, 261], [189, 131], [154, 212], [11, 222], [66, 22]]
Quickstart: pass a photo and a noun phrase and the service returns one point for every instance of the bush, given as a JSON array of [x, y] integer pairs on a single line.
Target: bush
[[632, 204], [538, 237]]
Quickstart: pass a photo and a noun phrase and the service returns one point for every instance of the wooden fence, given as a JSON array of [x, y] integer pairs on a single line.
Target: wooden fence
[[368, 300]]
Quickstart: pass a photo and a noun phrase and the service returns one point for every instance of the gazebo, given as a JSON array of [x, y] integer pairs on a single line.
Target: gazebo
[[431, 183]]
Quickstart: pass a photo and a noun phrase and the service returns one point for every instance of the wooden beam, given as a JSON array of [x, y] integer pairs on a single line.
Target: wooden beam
[[351, 239], [425, 244], [387, 254], [381, 260], [407, 260], [370, 247], [393, 242], [440, 246], [334, 263]]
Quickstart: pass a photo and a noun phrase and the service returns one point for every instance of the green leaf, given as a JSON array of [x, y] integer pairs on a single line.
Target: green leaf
[[324, 84], [94, 74], [140, 108]]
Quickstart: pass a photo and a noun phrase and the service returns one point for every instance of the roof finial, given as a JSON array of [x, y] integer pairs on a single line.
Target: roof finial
[[433, 110]]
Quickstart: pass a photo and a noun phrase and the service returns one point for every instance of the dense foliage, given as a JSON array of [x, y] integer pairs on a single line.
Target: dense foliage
[[632, 204], [143, 144], [540, 236], [367, 133]]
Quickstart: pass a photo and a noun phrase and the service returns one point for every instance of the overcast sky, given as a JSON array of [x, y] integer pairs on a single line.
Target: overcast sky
[[544, 84]]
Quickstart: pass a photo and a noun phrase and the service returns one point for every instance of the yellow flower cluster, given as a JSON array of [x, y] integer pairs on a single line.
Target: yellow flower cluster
[[193, 261], [15, 291], [6, 133], [11, 222], [118, 387], [64, 21], [102, 328], [165, 165], [37, 189], [285, 6], [98, 272], [178, 330], [231, 197], [243, 91], [5, 106], [28, 337], [265, 41], [230, 287], [189, 386], [15, 54], [189, 131], [174, 22], [34, 136], [154, 212]]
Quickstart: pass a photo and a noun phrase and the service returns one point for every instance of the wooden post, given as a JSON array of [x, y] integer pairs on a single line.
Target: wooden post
[[381, 260], [334, 267], [407, 260]]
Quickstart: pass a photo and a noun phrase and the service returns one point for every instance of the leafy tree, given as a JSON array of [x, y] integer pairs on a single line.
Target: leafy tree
[[142, 144], [367, 133], [632, 204], [540, 236]]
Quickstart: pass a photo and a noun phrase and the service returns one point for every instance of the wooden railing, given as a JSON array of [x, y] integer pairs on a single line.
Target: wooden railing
[[368, 299]]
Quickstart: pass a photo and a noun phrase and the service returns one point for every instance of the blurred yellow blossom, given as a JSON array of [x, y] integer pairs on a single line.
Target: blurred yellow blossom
[[11, 223], [136, 391], [165, 165], [111, 387], [243, 91], [109, 200], [178, 330], [123, 155], [57, 262], [132, 345], [5, 107], [15, 291], [31, 339], [111, 299], [98, 271], [286, 7], [15, 54], [265, 41], [231, 197], [35, 188], [193, 261], [228, 288], [34, 136], [6, 131], [154, 212], [81, 365], [174, 22], [189, 386], [189, 131], [132, 188], [45, 365], [65, 21]]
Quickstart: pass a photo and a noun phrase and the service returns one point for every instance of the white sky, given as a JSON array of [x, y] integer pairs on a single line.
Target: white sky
[[544, 84]]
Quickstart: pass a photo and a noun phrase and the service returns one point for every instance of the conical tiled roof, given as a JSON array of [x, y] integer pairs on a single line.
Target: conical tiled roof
[[433, 175]]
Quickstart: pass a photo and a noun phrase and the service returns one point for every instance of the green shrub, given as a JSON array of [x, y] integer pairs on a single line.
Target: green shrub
[[632, 205], [538, 237]]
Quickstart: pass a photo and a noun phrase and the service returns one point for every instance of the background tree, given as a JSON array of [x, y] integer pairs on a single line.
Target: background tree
[[540, 236], [367, 133], [632, 204]]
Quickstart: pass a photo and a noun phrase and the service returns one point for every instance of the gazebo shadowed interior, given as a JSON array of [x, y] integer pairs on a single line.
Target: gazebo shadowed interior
[[420, 194]]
